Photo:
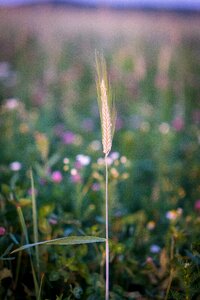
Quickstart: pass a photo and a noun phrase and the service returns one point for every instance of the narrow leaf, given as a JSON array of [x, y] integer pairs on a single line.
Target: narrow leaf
[[35, 221], [25, 232], [71, 240], [40, 289], [22, 223]]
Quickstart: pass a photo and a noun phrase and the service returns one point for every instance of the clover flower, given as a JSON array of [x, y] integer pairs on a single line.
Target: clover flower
[[197, 205], [2, 230], [56, 177], [15, 166], [84, 160], [178, 123], [12, 104], [75, 176]]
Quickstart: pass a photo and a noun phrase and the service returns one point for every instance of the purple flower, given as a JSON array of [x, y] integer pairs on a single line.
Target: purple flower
[[101, 161], [12, 103], [56, 176], [84, 160], [96, 187], [178, 123], [75, 176], [114, 155], [78, 165], [68, 137], [154, 249], [2, 230], [15, 166], [197, 205]]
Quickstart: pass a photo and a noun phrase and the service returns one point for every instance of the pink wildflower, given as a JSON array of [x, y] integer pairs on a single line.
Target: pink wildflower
[[68, 137], [15, 166], [197, 205], [2, 230], [178, 123], [83, 160], [12, 103], [56, 176], [75, 176]]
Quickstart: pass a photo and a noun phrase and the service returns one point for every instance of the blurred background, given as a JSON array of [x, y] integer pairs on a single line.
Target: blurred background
[[153, 4], [50, 122]]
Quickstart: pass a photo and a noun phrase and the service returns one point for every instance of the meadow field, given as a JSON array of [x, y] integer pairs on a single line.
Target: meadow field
[[52, 172]]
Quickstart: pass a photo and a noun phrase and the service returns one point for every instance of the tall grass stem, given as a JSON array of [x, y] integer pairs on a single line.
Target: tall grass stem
[[107, 234], [108, 119]]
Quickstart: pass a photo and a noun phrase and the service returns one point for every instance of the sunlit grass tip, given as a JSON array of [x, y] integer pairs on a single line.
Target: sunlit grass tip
[[106, 104]]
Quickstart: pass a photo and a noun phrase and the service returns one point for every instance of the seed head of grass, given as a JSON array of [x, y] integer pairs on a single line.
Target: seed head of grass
[[106, 104]]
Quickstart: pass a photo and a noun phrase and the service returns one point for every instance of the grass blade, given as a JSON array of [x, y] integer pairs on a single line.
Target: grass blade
[[22, 223], [2, 257], [71, 240], [35, 223], [40, 289], [25, 232]]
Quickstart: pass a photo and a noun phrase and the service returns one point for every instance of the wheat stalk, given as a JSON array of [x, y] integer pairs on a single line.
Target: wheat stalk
[[107, 115], [106, 120], [106, 104]]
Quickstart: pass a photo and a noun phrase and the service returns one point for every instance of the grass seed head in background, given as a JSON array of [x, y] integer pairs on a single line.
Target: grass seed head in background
[[106, 104]]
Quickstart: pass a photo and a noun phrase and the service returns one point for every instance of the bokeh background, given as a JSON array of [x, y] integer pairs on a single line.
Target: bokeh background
[[50, 123]]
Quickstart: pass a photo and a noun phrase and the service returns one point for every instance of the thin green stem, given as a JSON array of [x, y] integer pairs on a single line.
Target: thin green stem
[[19, 259], [107, 235], [171, 275], [25, 232], [35, 222]]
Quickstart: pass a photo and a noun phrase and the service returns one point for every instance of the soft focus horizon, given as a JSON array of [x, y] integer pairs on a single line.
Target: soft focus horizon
[[168, 4]]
